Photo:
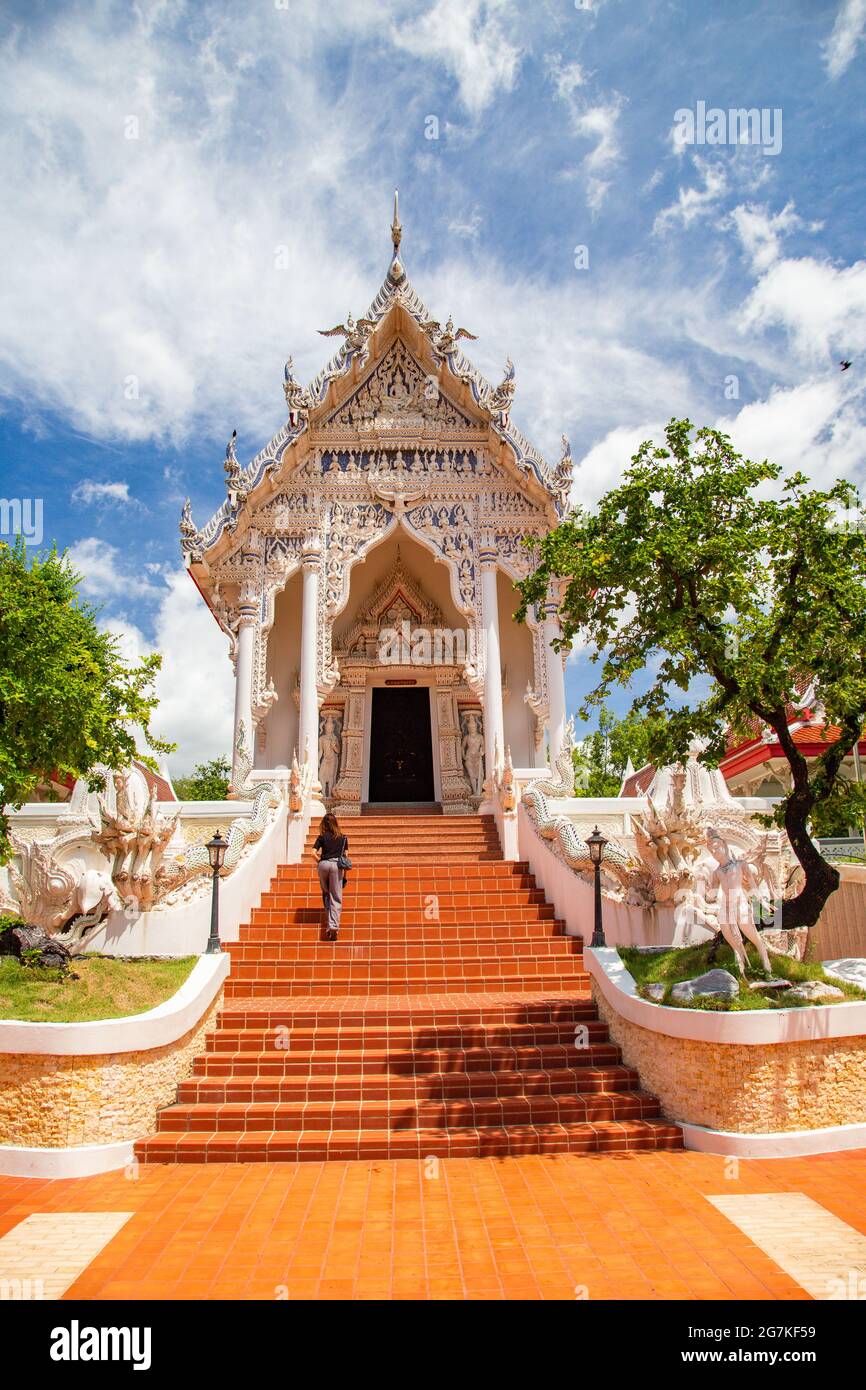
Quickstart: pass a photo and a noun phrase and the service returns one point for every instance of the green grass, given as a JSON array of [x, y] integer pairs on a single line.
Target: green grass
[[679, 963], [106, 988]]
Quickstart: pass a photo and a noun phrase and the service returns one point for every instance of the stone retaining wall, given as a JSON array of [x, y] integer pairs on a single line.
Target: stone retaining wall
[[748, 1089], [49, 1101]]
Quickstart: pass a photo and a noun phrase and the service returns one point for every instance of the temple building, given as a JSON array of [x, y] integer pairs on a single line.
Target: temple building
[[363, 564]]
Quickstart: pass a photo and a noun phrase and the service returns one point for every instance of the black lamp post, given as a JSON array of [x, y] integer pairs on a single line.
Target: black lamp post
[[216, 853], [595, 844]]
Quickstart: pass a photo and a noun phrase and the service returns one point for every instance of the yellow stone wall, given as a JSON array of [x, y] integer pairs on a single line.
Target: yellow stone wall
[[58, 1102], [751, 1090]]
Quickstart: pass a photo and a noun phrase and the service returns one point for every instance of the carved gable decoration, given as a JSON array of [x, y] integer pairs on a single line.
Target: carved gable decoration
[[398, 395], [397, 600]]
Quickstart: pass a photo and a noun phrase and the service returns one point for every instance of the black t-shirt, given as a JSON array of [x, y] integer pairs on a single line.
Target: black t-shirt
[[332, 846]]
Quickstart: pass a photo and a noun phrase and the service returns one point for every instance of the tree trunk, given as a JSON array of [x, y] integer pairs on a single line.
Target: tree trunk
[[822, 878]]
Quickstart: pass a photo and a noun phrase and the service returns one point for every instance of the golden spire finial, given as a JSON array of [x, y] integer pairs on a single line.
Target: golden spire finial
[[396, 228]]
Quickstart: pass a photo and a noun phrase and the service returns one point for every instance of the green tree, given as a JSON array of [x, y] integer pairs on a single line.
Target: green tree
[[209, 782], [603, 755], [728, 589], [67, 699]]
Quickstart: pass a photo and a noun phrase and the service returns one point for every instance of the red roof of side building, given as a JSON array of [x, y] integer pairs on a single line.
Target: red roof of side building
[[638, 783], [155, 782], [812, 740]]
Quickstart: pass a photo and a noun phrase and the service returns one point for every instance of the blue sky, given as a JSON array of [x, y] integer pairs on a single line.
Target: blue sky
[[192, 190]]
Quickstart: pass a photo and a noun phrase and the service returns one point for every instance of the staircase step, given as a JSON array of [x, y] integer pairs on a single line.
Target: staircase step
[[411, 1113], [452, 1017], [413, 1083], [243, 1146], [360, 1056]]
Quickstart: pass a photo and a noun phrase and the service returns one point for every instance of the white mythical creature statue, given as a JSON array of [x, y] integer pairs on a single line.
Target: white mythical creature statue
[[356, 333], [134, 843], [66, 897], [115, 851], [444, 340], [299, 401], [682, 858], [499, 400], [563, 474], [730, 889]]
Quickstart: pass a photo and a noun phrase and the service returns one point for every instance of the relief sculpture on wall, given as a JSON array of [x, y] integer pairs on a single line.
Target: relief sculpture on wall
[[472, 750], [330, 749]]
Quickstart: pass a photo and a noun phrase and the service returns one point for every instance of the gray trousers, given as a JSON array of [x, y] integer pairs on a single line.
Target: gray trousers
[[331, 879]]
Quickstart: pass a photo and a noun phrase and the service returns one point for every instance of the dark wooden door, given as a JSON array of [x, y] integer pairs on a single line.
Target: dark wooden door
[[401, 748]]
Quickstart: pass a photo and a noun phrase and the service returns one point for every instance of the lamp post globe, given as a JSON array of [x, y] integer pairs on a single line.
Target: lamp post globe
[[596, 843], [216, 853]]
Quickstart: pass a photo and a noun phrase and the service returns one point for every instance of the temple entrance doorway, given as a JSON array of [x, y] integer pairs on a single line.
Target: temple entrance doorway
[[401, 745]]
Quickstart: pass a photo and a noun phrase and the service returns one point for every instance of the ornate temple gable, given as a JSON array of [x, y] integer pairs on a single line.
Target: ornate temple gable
[[398, 397], [398, 598], [399, 381]]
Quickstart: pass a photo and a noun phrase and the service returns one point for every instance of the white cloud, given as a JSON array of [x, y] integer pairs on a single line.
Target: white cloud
[[104, 574], [195, 685], [595, 121], [692, 203], [599, 123], [817, 427], [566, 76], [602, 467], [469, 39], [821, 306], [182, 257], [841, 47], [468, 227], [105, 494], [760, 231]]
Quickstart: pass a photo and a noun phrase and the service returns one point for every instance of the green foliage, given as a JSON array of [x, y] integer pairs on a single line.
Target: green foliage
[[67, 699], [843, 811], [100, 987], [727, 589], [209, 782], [602, 757]]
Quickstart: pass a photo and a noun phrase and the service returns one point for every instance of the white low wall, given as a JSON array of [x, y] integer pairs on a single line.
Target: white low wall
[[102, 1083]]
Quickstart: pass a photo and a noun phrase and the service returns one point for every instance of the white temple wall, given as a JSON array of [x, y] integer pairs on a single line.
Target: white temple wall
[[515, 641], [280, 727]]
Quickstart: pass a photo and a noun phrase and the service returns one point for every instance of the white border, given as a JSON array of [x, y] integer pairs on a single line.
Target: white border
[[135, 1033], [790, 1143], [81, 1162]]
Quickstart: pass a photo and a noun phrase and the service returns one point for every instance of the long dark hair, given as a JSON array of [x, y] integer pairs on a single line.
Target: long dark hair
[[329, 825]]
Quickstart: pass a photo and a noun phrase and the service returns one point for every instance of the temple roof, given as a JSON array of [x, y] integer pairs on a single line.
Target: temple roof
[[308, 406]]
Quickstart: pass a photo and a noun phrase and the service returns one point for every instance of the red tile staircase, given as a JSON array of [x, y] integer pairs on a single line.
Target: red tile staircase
[[452, 1017]]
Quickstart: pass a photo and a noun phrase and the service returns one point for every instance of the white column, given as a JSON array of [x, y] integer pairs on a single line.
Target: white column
[[308, 731], [248, 608], [555, 683], [494, 725]]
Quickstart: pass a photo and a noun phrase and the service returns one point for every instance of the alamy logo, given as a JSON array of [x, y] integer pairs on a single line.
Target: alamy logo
[[77, 1343], [424, 646], [737, 126], [22, 516]]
